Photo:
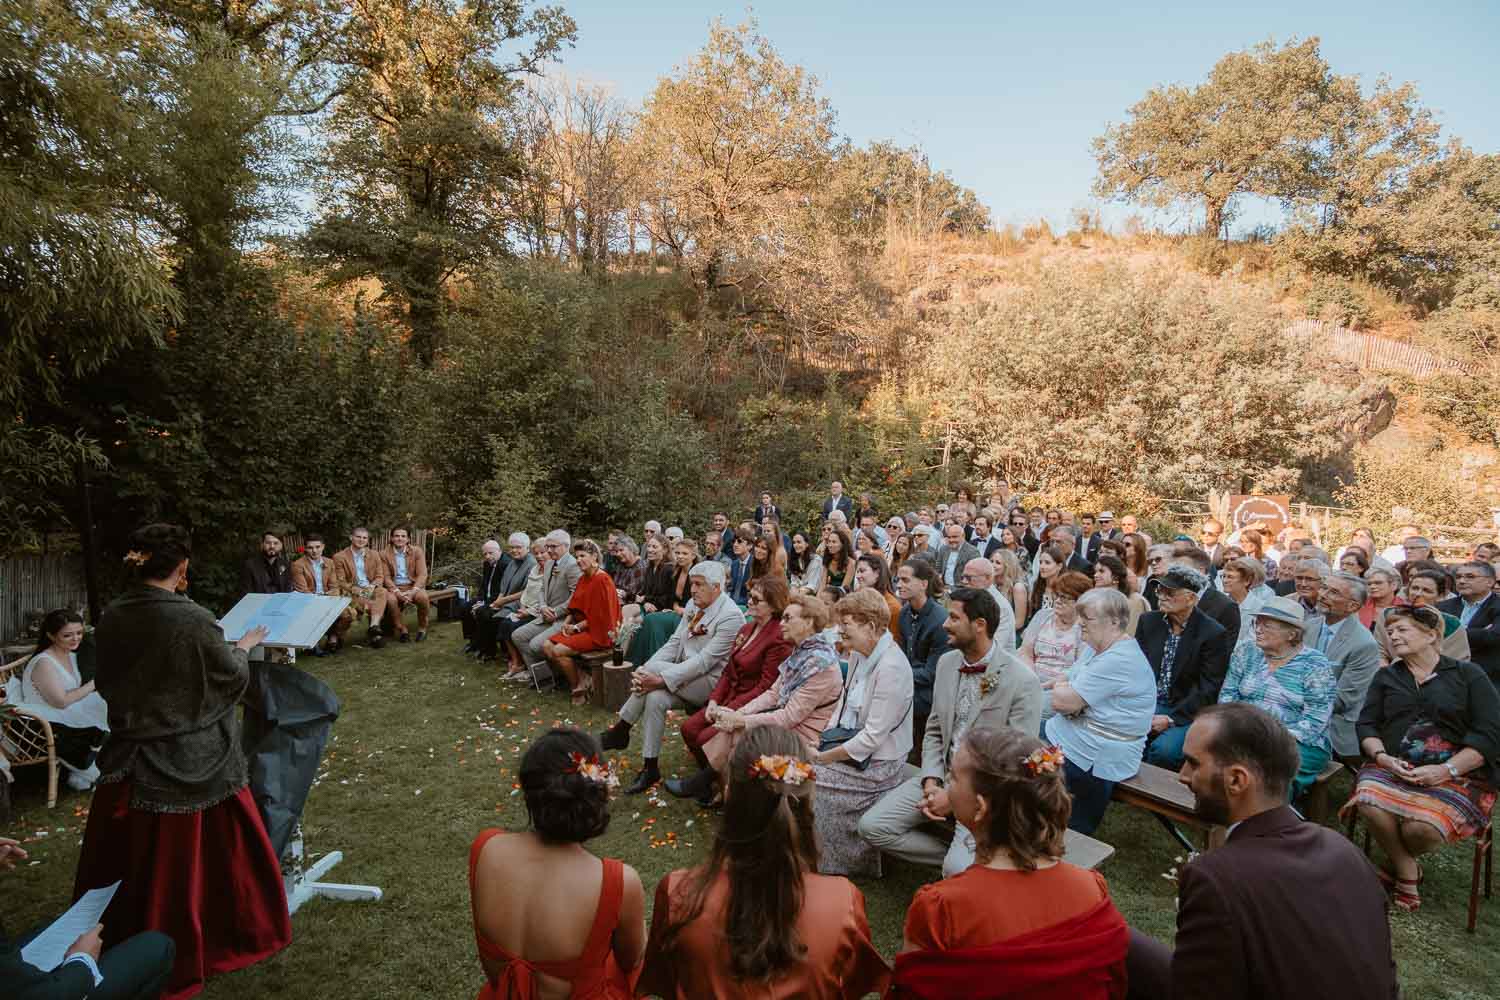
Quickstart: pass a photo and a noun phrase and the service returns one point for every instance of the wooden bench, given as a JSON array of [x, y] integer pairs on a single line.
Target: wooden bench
[[1316, 802], [1084, 851], [1157, 790], [442, 602]]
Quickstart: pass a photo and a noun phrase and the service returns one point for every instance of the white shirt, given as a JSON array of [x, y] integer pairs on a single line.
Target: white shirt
[[317, 572], [401, 574]]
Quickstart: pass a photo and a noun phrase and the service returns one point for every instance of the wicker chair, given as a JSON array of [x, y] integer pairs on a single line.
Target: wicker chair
[[26, 738]]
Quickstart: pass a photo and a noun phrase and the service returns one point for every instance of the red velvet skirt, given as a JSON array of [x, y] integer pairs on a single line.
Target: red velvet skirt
[[209, 880]]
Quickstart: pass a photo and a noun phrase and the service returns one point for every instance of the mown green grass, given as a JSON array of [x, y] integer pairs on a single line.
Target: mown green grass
[[415, 721]]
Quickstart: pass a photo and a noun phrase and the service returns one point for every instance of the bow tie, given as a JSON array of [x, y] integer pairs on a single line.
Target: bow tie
[[973, 668]]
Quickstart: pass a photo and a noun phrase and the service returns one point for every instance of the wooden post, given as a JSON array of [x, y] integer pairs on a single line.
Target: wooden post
[[616, 687], [86, 533]]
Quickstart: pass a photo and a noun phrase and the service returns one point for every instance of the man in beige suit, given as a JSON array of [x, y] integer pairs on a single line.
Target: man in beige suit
[[978, 685], [361, 571], [314, 574], [406, 579], [682, 674]]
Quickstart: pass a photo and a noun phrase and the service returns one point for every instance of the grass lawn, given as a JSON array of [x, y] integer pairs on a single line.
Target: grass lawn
[[424, 757]]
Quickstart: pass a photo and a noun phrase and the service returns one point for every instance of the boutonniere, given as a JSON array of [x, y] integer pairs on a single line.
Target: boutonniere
[[986, 685]]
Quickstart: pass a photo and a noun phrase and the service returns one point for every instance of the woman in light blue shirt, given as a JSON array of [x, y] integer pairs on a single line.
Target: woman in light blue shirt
[[1104, 708]]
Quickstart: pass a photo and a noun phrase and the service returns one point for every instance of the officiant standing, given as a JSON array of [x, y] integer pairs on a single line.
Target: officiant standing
[[173, 819]]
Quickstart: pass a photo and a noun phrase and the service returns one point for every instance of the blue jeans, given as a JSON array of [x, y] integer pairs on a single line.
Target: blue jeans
[[1090, 798], [1165, 748]]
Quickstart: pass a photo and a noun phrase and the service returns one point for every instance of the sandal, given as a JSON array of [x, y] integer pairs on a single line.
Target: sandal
[[1389, 880], [583, 690], [1405, 897]]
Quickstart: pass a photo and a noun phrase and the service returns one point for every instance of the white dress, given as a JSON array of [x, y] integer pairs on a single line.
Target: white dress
[[89, 712]]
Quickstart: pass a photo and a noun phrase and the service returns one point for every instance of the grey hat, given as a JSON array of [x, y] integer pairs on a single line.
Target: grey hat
[[1283, 609], [1106, 515], [1182, 578]]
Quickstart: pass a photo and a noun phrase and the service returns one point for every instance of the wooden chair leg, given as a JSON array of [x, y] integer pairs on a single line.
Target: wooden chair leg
[[1474, 884], [52, 767]]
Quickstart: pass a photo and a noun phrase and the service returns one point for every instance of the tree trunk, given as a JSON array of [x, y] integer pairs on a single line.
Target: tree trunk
[[1215, 223]]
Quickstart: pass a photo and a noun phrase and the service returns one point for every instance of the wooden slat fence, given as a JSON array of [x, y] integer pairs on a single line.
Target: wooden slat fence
[[38, 583], [1371, 352]]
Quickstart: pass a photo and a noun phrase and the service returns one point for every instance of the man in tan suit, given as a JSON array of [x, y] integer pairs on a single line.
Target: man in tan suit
[[406, 579], [313, 574], [978, 685], [362, 575]]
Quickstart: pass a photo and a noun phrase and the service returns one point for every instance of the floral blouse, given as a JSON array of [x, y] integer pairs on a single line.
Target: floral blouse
[[1300, 693]]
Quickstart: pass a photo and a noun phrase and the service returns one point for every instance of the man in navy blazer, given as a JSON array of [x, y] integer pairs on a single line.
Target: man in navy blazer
[[1478, 609], [1189, 653], [838, 501], [922, 637]]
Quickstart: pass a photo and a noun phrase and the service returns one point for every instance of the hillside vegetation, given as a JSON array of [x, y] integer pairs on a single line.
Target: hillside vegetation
[[304, 265]]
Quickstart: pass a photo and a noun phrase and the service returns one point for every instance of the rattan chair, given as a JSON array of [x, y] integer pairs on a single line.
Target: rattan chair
[[26, 738]]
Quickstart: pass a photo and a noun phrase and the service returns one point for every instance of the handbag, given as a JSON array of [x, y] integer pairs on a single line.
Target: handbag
[[838, 736]]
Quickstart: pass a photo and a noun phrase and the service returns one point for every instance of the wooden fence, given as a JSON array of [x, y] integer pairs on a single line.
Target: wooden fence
[[38, 583], [1371, 352]]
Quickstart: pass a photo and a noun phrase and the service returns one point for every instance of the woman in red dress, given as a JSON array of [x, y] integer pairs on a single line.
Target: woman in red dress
[[172, 819], [1020, 923], [753, 667], [553, 921], [757, 920], [590, 624]]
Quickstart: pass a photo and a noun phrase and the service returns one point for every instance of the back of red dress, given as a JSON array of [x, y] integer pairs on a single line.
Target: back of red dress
[[594, 974]]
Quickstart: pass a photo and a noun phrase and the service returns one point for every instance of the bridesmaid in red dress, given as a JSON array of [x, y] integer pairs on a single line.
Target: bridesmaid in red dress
[[1020, 923], [552, 920], [757, 920]]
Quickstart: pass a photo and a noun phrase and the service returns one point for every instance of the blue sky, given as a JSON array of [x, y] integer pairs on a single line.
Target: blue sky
[[1007, 101]]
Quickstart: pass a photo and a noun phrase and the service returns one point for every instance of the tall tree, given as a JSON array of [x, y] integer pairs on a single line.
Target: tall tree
[[80, 278], [418, 147], [1247, 129], [733, 141]]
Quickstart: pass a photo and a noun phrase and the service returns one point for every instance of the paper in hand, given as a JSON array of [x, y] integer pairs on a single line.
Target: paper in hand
[[47, 950]]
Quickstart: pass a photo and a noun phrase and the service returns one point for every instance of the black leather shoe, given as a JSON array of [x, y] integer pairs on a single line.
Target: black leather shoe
[[470, 648], [405, 637], [647, 777], [699, 786], [376, 639], [421, 637], [616, 737]]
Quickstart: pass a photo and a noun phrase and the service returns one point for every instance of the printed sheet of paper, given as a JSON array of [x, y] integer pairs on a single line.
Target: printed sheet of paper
[[47, 950]]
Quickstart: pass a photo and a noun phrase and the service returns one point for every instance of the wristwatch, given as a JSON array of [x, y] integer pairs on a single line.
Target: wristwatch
[[1451, 769]]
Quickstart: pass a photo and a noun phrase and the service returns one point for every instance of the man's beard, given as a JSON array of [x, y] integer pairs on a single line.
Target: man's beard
[[1214, 804]]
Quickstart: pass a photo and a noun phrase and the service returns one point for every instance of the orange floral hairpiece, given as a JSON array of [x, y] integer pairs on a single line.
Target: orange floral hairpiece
[[593, 769], [1044, 761], [137, 558], [778, 767]]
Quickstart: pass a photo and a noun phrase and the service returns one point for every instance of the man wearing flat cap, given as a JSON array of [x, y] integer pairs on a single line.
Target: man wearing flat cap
[[1189, 653]]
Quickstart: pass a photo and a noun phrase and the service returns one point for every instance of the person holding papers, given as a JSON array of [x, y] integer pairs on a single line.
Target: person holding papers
[[173, 819], [132, 970]]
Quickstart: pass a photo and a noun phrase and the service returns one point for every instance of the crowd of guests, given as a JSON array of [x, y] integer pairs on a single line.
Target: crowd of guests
[[959, 688]]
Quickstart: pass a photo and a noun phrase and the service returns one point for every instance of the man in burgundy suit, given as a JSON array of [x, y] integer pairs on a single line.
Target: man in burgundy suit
[[1286, 908]]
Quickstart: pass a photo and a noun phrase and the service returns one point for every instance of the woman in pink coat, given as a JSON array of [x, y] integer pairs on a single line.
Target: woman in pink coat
[[801, 698]]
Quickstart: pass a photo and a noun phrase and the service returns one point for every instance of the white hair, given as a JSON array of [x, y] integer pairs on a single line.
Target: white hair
[[561, 537], [653, 525], [519, 538], [838, 515], [711, 570], [674, 533], [487, 543], [1109, 602]]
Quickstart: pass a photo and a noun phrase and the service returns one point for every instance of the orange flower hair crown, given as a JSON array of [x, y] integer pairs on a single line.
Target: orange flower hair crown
[[778, 767], [1044, 761], [593, 769], [136, 558]]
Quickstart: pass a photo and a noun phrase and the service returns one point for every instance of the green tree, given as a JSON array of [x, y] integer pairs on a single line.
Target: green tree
[[80, 278], [1248, 129], [418, 148], [734, 141], [1198, 393]]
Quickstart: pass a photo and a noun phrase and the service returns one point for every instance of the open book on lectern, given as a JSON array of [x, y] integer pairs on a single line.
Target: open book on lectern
[[296, 621]]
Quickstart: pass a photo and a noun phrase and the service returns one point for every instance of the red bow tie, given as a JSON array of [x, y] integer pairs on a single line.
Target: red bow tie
[[973, 668]]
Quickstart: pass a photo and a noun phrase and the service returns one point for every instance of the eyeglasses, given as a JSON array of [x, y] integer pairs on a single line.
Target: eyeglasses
[[753, 599], [970, 578]]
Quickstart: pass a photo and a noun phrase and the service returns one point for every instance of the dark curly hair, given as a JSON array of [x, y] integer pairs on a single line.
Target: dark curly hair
[[564, 807], [54, 623], [154, 551]]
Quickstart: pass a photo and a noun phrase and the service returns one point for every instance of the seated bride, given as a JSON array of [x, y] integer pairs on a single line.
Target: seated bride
[[50, 686]]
